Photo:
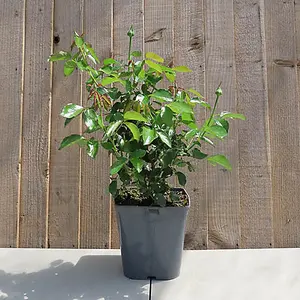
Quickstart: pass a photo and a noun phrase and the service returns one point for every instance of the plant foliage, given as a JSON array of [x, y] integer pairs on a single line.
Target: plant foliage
[[151, 131]]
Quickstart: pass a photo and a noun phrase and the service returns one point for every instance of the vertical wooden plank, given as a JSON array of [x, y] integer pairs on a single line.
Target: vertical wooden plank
[[125, 14], [253, 135], [95, 200], [222, 187], [190, 51], [64, 164], [284, 120], [35, 124], [11, 35]]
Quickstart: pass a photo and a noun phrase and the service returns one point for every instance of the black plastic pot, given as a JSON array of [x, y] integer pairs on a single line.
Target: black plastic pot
[[151, 240]]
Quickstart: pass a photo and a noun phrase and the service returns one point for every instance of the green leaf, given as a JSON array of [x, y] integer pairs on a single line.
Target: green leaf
[[137, 163], [71, 140], [118, 165], [171, 77], [71, 110], [190, 134], [134, 115], [187, 118], [67, 121], [82, 65], [195, 93], [92, 147], [160, 199], [112, 128], [109, 61], [69, 67], [223, 123], [154, 56], [229, 115], [149, 135], [217, 131], [107, 145], [61, 55], [134, 130], [153, 65], [180, 107], [162, 95], [198, 154], [93, 53], [167, 116], [220, 160], [138, 153], [207, 140], [109, 80], [164, 138], [100, 121], [113, 186], [91, 120], [136, 53], [181, 178], [182, 69], [78, 40], [200, 102]]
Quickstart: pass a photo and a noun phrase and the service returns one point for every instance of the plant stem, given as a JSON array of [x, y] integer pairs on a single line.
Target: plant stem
[[129, 49]]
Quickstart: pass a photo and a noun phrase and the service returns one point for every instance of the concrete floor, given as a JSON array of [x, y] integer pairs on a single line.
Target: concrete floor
[[40, 274]]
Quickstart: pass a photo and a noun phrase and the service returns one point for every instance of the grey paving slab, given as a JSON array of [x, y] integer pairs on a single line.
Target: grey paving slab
[[270, 274], [29, 274]]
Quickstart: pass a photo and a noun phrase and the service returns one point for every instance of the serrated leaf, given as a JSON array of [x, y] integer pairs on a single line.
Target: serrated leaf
[[134, 115], [137, 163], [229, 115], [113, 186], [149, 135], [164, 138], [153, 65], [112, 128], [92, 147], [180, 107], [134, 130], [61, 55], [162, 95], [220, 160], [69, 67], [182, 69], [136, 53], [71, 110], [154, 56], [195, 93], [181, 178], [198, 154], [71, 140], [117, 165]]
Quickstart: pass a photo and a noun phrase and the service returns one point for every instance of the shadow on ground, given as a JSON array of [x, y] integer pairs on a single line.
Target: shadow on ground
[[92, 278]]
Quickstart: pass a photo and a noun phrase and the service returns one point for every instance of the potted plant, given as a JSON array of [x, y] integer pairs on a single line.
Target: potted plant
[[153, 135]]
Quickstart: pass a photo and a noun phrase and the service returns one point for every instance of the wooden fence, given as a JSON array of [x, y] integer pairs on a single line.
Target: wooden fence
[[52, 198]]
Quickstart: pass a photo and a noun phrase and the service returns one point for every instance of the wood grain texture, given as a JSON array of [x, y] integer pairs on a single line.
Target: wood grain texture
[[189, 50], [126, 13], [223, 192], [284, 121], [95, 200], [35, 124], [11, 35], [253, 134], [64, 164]]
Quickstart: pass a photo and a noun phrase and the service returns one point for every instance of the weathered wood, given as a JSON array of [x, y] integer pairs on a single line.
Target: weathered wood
[[34, 176], [64, 164], [189, 51], [11, 35], [95, 200], [126, 13], [222, 186], [254, 148], [284, 122]]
